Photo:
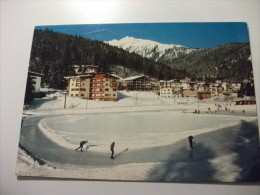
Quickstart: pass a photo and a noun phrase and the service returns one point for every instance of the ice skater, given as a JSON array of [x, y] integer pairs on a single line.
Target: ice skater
[[190, 141], [81, 144], [112, 150]]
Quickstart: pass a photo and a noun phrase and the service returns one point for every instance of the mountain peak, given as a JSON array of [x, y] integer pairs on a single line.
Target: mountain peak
[[148, 48]]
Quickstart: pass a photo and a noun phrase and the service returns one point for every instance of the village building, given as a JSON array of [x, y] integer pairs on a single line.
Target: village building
[[201, 86], [204, 95], [185, 83], [185, 80], [103, 87], [85, 69], [189, 93], [36, 79], [166, 89], [193, 86], [224, 85], [99, 86], [90, 84], [138, 83], [235, 86], [177, 88], [79, 86], [156, 87]]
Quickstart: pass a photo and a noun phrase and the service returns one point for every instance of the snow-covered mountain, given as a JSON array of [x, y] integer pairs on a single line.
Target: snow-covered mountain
[[150, 49]]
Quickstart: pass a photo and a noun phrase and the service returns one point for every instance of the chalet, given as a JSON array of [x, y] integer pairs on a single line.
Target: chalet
[[36, 79], [138, 83]]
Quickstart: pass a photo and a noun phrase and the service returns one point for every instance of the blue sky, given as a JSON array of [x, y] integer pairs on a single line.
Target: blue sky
[[196, 35]]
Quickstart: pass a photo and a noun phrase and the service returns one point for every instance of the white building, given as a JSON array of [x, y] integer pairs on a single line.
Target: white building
[[36, 79], [166, 89]]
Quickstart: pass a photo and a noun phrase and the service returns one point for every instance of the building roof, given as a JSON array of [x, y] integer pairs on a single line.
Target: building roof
[[133, 77], [98, 75], [84, 66], [35, 73], [79, 76]]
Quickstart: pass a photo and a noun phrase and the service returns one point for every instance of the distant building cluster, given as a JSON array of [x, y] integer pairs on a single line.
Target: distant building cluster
[[89, 83], [200, 89], [183, 87]]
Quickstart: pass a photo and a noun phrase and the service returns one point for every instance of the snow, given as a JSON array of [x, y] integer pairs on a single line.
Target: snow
[[155, 130], [144, 47]]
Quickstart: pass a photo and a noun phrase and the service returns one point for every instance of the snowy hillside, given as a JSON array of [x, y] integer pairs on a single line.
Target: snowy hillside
[[148, 48]]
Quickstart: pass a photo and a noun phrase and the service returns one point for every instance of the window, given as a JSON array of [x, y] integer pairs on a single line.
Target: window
[[76, 94], [82, 94], [106, 89]]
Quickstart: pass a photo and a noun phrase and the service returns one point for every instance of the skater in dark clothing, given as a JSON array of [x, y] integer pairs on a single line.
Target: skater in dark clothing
[[81, 144], [190, 141], [112, 150]]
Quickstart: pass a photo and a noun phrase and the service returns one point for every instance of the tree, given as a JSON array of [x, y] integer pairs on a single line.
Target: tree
[[29, 91]]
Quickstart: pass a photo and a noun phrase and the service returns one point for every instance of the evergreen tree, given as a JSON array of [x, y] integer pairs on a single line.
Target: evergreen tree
[[29, 91]]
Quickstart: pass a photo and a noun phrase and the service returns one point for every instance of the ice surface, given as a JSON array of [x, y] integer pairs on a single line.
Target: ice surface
[[155, 131]]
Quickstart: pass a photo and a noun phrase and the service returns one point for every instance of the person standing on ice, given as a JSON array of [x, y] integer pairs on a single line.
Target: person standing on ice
[[112, 150], [81, 144], [190, 141]]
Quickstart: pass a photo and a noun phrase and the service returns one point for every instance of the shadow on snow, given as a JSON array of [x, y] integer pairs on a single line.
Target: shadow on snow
[[185, 165]]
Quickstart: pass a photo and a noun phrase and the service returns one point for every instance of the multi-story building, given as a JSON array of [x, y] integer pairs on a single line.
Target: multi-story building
[[99, 86], [166, 89], [103, 87], [138, 83], [79, 86]]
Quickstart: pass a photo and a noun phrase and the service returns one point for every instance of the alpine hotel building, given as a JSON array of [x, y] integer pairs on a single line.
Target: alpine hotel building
[[93, 86]]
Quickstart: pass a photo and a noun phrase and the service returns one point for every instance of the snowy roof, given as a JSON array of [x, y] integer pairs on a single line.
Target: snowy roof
[[84, 66], [35, 73], [107, 74], [133, 77], [78, 76]]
